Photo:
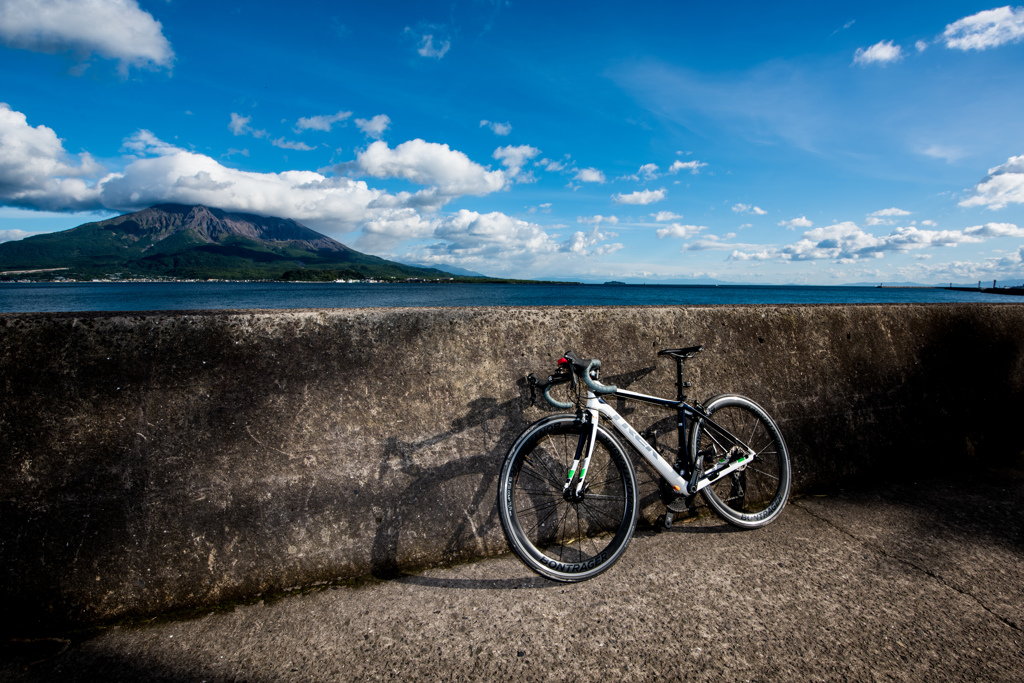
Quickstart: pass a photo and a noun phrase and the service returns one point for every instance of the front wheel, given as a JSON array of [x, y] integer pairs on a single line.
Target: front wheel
[[755, 494], [559, 534]]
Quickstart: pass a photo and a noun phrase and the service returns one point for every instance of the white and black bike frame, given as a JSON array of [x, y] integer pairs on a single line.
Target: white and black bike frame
[[739, 453]]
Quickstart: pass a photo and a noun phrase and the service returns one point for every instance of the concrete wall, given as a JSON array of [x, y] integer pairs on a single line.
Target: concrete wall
[[152, 462]]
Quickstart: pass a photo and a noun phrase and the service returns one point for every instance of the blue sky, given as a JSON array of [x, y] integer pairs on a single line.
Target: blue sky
[[812, 143]]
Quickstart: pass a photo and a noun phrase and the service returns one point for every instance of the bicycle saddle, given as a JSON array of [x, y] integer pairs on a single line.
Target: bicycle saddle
[[682, 354]]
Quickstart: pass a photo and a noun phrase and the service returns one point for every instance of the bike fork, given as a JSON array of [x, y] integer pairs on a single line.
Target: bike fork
[[584, 451]]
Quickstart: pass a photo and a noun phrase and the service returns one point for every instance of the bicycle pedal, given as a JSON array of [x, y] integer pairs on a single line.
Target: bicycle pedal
[[680, 503]]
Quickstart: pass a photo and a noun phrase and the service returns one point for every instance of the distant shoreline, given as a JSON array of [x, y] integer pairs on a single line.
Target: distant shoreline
[[989, 290]]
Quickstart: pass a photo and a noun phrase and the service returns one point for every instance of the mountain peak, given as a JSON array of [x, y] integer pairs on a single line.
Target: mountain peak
[[213, 226], [195, 241]]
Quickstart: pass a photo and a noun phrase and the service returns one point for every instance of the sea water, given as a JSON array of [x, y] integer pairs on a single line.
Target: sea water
[[179, 296]]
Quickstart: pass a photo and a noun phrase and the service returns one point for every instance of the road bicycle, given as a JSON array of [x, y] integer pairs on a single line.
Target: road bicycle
[[567, 495]]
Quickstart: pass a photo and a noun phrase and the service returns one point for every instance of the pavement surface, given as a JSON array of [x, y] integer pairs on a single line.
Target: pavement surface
[[911, 581]]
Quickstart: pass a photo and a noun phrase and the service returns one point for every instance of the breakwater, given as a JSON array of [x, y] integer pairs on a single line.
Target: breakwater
[[153, 462]]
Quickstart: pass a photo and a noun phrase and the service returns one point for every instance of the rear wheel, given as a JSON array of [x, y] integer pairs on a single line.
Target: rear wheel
[[755, 494], [557, 533]]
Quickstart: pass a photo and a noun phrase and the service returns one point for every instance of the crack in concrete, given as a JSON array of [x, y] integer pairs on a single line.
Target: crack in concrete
[[927, 572]]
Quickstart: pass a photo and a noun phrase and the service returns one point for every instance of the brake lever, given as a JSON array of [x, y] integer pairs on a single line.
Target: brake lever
[[532, 379]]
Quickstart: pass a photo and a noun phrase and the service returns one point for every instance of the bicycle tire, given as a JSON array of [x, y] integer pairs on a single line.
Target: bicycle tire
[[755, 494], [558, 538]]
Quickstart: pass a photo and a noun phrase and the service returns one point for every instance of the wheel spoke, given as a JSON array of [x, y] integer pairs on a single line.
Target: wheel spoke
[[540, 492], [571, 530], [772, 476], [541, 520], [609, 515], [756, 492], [552, 477], [539, 506]]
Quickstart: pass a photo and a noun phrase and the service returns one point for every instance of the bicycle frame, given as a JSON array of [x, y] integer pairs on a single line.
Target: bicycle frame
[[596, 406]]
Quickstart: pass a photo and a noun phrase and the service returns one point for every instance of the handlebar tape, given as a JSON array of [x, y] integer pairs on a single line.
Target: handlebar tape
[[554, 401], [594, 385]]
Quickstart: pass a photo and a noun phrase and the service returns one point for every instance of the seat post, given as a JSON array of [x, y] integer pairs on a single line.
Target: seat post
[[680, 384]]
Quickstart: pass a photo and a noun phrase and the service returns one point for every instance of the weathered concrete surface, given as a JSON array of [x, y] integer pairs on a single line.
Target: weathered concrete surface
[[153, 462], [908, 582]]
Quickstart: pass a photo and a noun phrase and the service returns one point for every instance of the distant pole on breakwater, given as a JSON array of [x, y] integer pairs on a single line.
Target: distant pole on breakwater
[[1012, 291]]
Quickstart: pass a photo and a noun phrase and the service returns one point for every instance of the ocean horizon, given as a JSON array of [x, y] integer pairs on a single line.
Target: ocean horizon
[[24, 297]]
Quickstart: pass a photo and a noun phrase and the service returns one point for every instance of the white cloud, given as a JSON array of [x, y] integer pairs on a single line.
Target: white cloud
[[987, 29], [890, 212], [948, 153], [115, 29], [682, 231], [12, 235], [921, 46], [240, 126], [929, 223], [1013, 260], [507, 244], [35, 170], [715, 243], [497, 128], [590, 175], [322, 122], [990, 230], [693, 166], [514, 158], [1003, 185], [589, 243], [291, 144], [846, 242], [170, 174], [795, 223], [469, 233], [883, 53], [647, 172], [375, 127], [746, 208], [760, 255], [389, 227], [598, 219], [844, 26], [885, 216], [550, 165], [144, 143], [663, 216], [429, 164], [642, 197], [426, 47]]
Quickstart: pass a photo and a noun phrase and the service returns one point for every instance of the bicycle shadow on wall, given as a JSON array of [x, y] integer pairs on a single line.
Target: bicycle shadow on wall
[[428, 507], [407, 537]]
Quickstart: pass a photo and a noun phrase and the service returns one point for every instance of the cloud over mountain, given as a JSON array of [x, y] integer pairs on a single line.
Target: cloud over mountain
[[115, 29]]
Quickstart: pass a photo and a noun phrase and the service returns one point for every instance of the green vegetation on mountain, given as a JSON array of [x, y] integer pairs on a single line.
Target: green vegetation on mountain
[[196, 242], [321, 275]]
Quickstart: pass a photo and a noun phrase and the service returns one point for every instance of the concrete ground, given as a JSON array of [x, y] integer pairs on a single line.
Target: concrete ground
[[911, 581]]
